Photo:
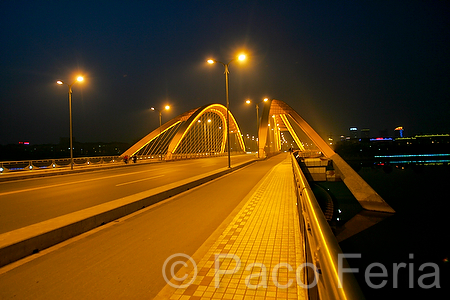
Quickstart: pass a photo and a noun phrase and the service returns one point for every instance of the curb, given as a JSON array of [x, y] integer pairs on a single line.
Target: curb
[[28, 240]]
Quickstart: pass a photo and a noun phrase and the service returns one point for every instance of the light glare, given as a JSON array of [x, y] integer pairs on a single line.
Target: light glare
[[242, 57], [210, 61], [80, 78]]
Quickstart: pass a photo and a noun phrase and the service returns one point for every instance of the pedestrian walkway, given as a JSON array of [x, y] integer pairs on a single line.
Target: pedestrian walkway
[[257, 255]]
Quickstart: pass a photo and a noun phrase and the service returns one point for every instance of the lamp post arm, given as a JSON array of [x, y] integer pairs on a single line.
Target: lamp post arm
[[226, 72]]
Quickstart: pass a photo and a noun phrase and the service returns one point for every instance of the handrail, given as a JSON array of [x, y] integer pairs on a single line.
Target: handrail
[[57, 163], [321, 247]]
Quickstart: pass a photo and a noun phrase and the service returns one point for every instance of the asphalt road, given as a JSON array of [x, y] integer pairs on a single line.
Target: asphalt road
[[28, 201], [123, 259]]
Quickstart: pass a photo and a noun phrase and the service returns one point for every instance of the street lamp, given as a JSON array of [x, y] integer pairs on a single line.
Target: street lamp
[[167, 107], [60, 82], [212, 61], [248, 101]]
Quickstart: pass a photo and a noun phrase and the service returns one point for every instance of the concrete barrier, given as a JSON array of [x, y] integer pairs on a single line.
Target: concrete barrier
[[25, 241]]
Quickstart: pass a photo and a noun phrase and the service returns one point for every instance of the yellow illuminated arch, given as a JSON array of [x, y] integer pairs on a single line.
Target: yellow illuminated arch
[[185, 122]]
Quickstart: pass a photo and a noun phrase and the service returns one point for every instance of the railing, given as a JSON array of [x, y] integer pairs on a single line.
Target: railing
[[49, 164], [329, 279], [61, 163], [309, 153], [182, 156]]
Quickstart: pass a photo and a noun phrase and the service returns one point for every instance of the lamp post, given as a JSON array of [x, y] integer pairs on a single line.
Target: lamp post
[[212, 61], [60, 82], [248, 101], [167, 107]]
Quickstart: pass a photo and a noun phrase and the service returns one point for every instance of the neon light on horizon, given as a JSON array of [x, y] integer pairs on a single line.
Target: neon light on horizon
[[409, 155], [420, 161]]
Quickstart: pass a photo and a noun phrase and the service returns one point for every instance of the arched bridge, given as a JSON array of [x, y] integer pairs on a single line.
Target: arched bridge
[[202, 131], [196, 133]]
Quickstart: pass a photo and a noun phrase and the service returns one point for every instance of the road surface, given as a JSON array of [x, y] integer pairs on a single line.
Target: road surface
[[29, 201], [123, 259]]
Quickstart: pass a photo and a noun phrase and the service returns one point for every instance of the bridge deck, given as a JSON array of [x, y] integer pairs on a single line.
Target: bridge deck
[[263, 237]]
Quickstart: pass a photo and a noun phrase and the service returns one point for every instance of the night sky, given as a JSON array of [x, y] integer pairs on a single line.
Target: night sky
[[369, 64]]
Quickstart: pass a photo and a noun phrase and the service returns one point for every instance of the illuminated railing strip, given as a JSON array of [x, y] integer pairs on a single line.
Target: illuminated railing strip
[[322, 238], [323, 242]]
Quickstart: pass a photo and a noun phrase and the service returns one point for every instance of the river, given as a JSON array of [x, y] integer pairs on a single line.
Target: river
[[417, 235]]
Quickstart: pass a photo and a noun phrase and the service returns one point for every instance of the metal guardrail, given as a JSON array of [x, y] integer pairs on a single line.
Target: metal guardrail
[[47, 164], [183, 156], [309, 153], [61, 163], [329, 279]]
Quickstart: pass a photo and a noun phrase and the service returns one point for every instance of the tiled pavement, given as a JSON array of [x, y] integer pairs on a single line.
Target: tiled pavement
[[257, 255]]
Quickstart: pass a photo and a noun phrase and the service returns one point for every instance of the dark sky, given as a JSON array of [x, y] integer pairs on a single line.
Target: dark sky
[[369, 64]]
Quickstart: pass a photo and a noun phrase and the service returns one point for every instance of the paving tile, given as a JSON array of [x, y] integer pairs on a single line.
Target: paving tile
[[262, 235]]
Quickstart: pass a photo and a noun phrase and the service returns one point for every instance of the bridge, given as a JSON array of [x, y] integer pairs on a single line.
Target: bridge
[[109, 233]]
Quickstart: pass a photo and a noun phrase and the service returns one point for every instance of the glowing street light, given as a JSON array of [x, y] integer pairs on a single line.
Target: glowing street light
[[248, 101], [60, 82], [167, 107], [241, 57]]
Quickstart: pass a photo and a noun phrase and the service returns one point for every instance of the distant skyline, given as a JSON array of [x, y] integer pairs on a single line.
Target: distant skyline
[[359, 131], [374, 65]]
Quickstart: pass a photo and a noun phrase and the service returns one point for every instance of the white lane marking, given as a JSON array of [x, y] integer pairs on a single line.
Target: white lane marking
[[139, 180], [67, 183]]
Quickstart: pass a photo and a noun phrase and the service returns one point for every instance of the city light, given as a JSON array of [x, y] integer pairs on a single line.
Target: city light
[[166, 107], [60, 82], [241, 57]]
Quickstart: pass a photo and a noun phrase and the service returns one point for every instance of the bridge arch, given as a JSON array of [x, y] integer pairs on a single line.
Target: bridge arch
[[201, 132], [196, 133], [278, 117]]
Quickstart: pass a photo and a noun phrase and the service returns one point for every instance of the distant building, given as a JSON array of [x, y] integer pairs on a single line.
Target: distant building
[[399, 132], [365, 133], [353, 132]]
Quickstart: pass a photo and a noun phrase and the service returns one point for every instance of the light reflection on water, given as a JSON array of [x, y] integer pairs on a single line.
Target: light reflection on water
[[420, 196]]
